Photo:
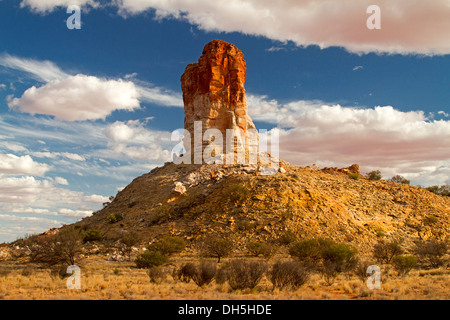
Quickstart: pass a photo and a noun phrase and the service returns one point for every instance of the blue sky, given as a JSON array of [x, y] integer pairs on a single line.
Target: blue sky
[[84, 112]]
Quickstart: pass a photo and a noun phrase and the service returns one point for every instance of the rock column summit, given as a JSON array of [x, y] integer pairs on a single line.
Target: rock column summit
[[214, 96]]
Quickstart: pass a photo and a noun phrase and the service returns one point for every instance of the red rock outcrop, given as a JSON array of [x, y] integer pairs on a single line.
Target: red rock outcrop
[[214, 93]]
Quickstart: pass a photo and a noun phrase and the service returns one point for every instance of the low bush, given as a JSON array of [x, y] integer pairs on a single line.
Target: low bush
[[168, 245], [256, 248], [186, 272], [151, 259], [403, 264], [400, 179], [288, 274], [245, 274], [92, 235], [156, 275], [114, 217], [204, 273]]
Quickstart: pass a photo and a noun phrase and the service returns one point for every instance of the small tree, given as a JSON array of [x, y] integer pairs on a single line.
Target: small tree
[[374, 175], [400, 179], [431, 252], [127, 243], [217, 247], [61, 248], [385, 251]]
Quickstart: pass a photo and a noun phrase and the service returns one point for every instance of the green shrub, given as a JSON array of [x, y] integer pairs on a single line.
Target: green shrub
[[341, 256], [168, 245], [244, 274], [149, 259], [374, 175], [354, 176], [404, 264], [309, 250], [430, 220], [256, 248], [114, 217], [92, 235]]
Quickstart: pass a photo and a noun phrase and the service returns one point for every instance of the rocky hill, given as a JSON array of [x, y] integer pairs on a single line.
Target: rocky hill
[[195, 201]]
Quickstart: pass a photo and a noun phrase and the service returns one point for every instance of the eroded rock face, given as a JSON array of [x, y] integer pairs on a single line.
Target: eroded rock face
[[214, 93]]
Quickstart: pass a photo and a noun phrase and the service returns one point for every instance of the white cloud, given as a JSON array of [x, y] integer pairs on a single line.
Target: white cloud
[[40, 70], [357, 68], [46, 6], [54, 155], [61, 181], [12, 164], [78, 98], [379, 137], [407, 26]]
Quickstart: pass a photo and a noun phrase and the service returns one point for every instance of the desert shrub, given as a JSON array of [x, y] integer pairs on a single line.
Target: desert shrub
[[309, 250], [221, 275], [353, 175], [385, 251], [92, 235], [236, 193], [127, 243], [431, 253], [114, 217], [360, 270], [245, 274], [156, 275], [150, 259], [430, 220], [287, 238], [288, 273], [168, 245], [440, 190], [186, 272], [217, 247], [27, 271], [256, 248], [61, 248], [342, 255], [374, 175], [403, 264], [337, 258], [204, 273], [400, 179]]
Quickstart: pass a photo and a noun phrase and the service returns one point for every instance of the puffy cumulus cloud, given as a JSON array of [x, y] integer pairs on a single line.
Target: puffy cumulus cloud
[[376, 138], [12, 164], [61, 181], [407, 26], [77, 98], [46, 6]]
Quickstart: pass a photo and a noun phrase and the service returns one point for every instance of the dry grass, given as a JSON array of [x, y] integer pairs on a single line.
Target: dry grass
[[100, 281]]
